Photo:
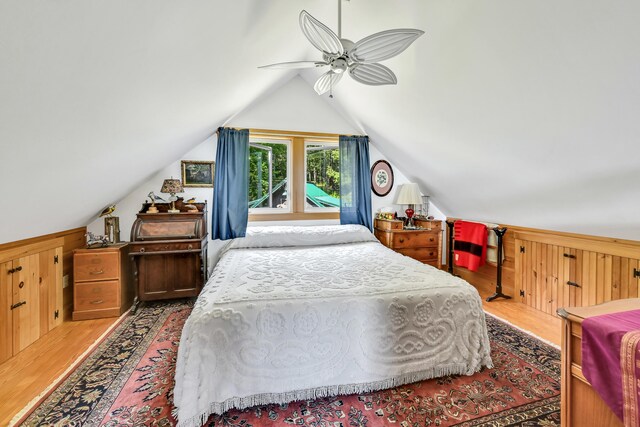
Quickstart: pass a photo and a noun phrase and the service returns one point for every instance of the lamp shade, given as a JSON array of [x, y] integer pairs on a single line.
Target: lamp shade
[[409, 194], [172, 186]]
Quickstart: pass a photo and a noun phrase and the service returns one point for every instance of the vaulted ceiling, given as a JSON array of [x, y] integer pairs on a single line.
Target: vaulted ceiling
[[520, 112]]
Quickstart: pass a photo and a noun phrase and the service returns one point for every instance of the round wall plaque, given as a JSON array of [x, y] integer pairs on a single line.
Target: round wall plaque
[[381, 178]]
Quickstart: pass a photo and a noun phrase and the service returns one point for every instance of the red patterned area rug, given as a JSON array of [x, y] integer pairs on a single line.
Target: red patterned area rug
[[128, 381]]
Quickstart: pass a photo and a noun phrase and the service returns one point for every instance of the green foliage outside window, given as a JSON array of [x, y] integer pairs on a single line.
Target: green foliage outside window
[[259, 170], [323, 168]]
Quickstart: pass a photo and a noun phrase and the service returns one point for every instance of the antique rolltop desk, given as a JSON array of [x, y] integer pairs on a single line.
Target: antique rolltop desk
[[169, 252]]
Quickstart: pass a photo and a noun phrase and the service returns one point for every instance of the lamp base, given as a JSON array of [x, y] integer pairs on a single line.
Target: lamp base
[[152, 209], [173, 206], [409, 213]]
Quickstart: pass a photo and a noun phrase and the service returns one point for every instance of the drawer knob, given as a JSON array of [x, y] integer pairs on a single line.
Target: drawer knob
[[95, 273], [142, 249], [99, 301], [190, 247], [401, 240]]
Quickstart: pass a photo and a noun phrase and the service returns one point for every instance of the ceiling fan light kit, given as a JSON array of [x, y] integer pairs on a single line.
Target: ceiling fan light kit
[[359, 59]]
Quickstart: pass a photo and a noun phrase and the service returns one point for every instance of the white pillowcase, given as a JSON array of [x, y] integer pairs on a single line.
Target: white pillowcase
[[318, 235]]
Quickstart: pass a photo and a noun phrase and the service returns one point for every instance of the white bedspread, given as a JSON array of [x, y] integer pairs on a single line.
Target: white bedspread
[[277, 323]]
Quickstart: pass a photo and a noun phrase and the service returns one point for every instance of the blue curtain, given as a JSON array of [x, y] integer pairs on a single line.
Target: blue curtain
[[231, 186], [355, 181]]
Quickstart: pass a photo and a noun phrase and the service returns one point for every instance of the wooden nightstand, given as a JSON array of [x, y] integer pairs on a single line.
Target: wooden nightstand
[[425, 244], [101, 282]]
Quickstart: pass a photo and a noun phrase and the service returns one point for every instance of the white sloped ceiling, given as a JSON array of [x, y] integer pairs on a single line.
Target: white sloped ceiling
[[521, 112]]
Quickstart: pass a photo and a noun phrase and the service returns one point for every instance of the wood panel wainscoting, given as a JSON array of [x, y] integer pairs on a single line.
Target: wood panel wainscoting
[[547, 270], [31, 288], [71, 239]]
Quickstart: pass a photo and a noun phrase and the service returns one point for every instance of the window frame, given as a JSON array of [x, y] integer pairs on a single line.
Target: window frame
[[296, 177], [307, 142], [289, 143]]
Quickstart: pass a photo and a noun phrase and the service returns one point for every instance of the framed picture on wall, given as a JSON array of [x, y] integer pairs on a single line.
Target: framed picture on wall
[[381, 178], [197, 173]]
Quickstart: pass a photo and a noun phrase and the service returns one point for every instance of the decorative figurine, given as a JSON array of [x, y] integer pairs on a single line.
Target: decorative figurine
[[154, 199], [107, 211], [111, 224], [94, 239]]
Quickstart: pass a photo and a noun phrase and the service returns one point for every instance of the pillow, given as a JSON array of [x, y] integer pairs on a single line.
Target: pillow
[[317, 235]]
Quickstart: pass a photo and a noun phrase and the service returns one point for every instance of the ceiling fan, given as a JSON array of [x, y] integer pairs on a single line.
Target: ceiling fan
[[359, 59]]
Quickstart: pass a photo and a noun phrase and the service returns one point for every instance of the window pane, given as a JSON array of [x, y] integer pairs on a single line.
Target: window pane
[[261, 156], [323, 175]]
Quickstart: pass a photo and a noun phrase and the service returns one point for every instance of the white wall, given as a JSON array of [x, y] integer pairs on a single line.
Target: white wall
[[293, 106]]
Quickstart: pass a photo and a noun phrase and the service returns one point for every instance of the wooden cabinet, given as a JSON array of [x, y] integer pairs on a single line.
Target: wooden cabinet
[[169, 252], [30, 294], [424, 244], [557, 271], [581, 405], [102, 285]]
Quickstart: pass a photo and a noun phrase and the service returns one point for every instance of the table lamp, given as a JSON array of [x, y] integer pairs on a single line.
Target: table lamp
[[410, 195], [172, 186]]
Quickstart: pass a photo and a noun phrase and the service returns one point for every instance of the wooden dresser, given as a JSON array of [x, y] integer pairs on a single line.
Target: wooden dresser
[[102, 284], [424, 244], [581, 405], [169, 252]]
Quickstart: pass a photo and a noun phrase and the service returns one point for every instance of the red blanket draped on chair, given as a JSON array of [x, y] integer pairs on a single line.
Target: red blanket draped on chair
[[470, 245]]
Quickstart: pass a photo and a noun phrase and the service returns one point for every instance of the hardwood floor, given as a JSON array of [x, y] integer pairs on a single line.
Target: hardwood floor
[[26, 375], [523, 316]]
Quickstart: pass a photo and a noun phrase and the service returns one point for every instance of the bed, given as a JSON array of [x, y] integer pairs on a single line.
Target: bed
[[295, 313]]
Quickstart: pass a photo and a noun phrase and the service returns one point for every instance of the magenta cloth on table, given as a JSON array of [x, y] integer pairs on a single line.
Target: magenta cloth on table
[[601, 340]]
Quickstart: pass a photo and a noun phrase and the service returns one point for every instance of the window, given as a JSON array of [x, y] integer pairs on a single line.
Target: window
[[268, 174], [293, 176], [322, 186]]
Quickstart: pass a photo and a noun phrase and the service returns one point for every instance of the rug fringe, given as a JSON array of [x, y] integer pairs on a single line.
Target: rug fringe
[[549, 343], [319, 392], [19, 417]]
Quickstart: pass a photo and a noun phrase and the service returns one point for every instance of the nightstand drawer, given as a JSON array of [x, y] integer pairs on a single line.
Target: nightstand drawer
[[414, 240], [386, 224], [421, 254], [429, 225], [97, 295], [96, 266]]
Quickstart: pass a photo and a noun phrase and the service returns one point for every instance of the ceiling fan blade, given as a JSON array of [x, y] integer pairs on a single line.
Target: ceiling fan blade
[[326, 82], [320, 35], [296, 64], [372, 74], [383, 45]]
